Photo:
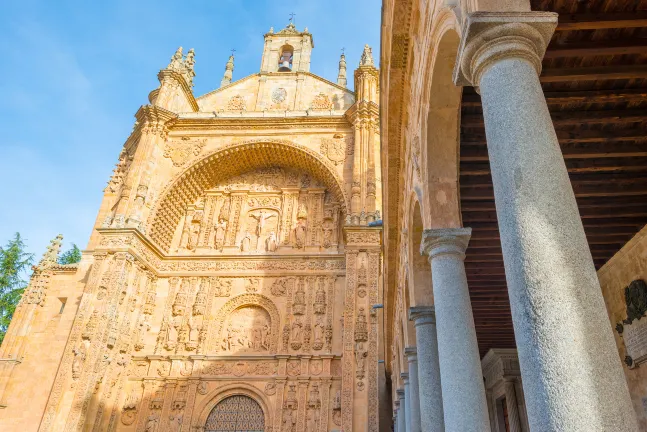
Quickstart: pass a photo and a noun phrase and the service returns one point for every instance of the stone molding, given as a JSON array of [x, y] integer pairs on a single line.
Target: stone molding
[[411, 353], [405, 377], [500, 364], [445, 241], [492, 36], [422, 315]]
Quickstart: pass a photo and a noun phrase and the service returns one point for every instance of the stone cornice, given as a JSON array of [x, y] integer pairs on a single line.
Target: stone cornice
[[362, 237], [491, 36], [247, 123], [132, 241], [177, 77], [154, 119], [444, 241], [499, 364]]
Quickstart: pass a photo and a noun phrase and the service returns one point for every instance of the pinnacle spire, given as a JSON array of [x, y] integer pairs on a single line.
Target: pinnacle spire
[[229, 71], [50, 256], [341, 77], [367, 57]]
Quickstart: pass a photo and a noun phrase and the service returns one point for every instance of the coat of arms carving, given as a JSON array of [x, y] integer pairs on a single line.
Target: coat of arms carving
[[334, 148], [181, 151]]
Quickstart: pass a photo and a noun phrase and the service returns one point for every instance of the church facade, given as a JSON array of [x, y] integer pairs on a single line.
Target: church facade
[[231, 278]]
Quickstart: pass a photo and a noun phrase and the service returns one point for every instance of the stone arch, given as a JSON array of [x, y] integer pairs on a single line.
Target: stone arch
[[441, 128], [221, 393], [419, 269], [408, 328], [229, 161], [243, 300]]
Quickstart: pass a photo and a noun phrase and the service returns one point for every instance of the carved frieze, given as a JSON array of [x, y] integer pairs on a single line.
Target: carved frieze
[[180, 151]]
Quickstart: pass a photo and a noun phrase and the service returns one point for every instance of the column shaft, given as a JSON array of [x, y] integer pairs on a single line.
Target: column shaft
[[429, 387], [463, 392], [512, 406], [407, 401], [571, 370], [414, 393], [402, 424]]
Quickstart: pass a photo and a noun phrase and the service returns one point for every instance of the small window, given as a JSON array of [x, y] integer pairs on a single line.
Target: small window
[[63, 300], [285, 60]]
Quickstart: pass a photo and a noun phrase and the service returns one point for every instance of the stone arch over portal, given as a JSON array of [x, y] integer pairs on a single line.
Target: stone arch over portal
[[237, 389], [229, 161], [247, 300], [441, 129], [419, 269]]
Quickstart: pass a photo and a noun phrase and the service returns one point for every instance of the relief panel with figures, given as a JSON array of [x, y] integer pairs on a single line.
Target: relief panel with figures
[[267, 211]]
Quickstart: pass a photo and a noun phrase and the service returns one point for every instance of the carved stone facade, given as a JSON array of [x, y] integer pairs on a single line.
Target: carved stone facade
[[224, 271]]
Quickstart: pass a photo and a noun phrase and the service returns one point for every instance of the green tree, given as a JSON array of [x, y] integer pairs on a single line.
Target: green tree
[[71, 256], [15, 264]]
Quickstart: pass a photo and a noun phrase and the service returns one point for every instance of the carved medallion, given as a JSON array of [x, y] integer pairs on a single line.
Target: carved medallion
[[334, 149], [180, 151], [278, 95]]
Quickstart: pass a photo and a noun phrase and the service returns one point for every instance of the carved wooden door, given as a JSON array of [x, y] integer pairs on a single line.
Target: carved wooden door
[[236, 414]]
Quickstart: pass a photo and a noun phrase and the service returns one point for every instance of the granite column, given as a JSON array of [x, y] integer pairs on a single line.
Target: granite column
[[402, 414], [463, 392], [414, 393], [572, 376], [430, 392], [407, 400]]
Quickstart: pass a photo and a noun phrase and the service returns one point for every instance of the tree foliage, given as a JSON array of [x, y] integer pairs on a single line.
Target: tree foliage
[[15, 264], [71, 256]]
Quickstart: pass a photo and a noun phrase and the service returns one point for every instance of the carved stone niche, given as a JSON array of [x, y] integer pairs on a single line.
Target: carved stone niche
[[633, 329], [248, 329], [503, 380]]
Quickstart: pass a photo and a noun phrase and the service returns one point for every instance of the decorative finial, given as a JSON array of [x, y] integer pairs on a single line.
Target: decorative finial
[[292, 15], [367, 57], [176, 61], [189, 63], [229, 70], [271, 30], [50, 257], [341, 77]]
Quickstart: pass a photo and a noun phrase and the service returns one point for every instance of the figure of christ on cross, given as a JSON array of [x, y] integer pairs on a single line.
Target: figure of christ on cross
[[261, 217]]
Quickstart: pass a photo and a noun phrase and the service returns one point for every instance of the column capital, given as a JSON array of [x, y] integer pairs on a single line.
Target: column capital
[[411, 353], [422, 315], [405, 377], [492, 36], [445, 241], [400, 393]]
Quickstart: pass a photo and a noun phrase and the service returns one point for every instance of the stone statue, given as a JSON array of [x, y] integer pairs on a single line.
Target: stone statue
[[257, 338], [300, 234], [175, 424], [319, 334], [79, 358], [271, 242], [297, 330], [151, 423], [265, 337], [262, 218], [220, 228], [246, 242]]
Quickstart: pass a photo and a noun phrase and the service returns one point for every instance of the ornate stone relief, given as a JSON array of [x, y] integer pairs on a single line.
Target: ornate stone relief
[[253, 213], [415, 155], [334, 148], [236, 103], [321, 102], [181, 151]]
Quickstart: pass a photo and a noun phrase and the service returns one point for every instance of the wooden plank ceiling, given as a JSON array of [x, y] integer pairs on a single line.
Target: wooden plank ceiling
[[595, 81]]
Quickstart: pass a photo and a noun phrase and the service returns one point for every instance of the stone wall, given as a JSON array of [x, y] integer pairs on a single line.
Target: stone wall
[[629, 264]]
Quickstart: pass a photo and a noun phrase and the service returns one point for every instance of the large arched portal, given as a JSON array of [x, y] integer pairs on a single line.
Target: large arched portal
[[238, 413]]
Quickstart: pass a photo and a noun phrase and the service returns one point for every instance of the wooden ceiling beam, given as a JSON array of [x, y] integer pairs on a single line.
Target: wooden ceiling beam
[[597, 48], [477, 137], [588, 97], [604, 20], [575, 118], [473, 153], [597, 73]]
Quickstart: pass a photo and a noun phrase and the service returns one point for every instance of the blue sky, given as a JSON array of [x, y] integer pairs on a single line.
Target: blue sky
[[72, 70]]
